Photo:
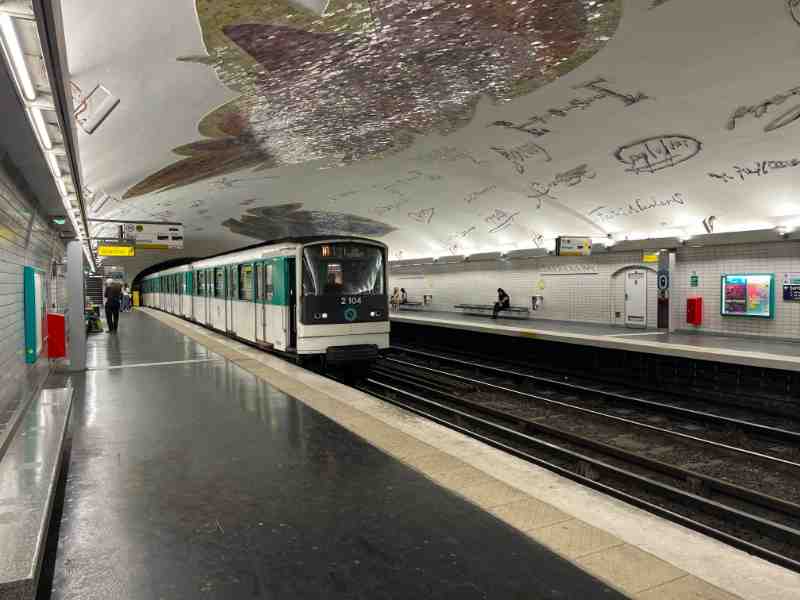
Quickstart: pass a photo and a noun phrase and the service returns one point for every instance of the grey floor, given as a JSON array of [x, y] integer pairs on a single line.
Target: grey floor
[[197, 480], [687, 338]]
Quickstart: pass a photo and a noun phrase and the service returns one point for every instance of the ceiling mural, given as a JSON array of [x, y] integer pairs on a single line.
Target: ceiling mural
[[360, 79], [289, 220], [438, 126]]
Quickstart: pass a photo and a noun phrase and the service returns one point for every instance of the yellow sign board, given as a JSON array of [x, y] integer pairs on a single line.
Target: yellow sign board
[[650, 257], [116, 251]]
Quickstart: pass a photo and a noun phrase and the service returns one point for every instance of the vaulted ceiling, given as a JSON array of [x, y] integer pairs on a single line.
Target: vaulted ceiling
[[441, 126]]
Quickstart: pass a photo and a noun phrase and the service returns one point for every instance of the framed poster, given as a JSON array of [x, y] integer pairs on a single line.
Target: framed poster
[[748, 295], [35, 310]]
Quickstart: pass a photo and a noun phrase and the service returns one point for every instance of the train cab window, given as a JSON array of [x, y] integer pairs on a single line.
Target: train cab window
[[219, 288], [246, 282], [270, 289], [344, 268]]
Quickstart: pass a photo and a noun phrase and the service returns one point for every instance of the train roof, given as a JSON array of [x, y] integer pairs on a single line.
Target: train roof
[[287, 240]]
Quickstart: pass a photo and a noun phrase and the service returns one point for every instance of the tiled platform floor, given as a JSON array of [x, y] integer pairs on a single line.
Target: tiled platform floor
[[195, 476], [634, 551]]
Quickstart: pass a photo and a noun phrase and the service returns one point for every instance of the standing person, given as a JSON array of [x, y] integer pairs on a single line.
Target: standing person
[[503, 302], [113, 295], [126, 299], [403, 296]]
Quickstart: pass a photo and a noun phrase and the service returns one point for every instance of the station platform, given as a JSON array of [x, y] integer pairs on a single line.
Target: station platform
[[742, 350], [203, 468]]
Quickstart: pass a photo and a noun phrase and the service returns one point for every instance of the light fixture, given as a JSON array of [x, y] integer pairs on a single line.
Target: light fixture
[[41, 127], [16, 57], [59, 220], [708, 224], [51, 158]]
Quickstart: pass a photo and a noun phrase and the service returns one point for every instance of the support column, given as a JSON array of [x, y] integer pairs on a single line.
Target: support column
[[76, 298]]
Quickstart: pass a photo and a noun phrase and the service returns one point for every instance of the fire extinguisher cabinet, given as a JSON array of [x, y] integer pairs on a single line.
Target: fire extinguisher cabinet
[[57, 335], [694, 311]]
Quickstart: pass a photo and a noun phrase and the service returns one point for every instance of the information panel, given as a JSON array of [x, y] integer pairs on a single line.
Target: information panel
[[791, 287], [748, 295]]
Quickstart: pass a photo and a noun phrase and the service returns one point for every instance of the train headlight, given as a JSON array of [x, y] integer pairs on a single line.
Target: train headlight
[[319, 316], [375, 314]]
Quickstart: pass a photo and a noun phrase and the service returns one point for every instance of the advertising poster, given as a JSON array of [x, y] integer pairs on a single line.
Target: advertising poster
[[750, 295]]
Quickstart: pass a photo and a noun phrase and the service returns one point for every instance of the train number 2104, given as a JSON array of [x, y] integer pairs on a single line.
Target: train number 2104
[[350, 300]]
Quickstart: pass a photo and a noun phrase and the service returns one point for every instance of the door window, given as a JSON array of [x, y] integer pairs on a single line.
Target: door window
[[259, 284], [246, 283], [269, 287], [219, 290]]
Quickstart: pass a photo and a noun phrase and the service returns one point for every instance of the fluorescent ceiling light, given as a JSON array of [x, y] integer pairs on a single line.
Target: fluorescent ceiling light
[[17, 58], [51, 158], [41, 128]]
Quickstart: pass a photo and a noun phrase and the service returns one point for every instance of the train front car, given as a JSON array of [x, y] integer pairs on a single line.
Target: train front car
[[343, 308]]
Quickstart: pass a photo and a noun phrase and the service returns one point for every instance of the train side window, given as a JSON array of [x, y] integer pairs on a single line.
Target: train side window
[[201, 283], [246, 282], [269, 286]]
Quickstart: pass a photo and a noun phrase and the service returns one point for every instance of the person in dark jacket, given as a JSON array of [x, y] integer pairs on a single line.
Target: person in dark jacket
[[113, 295], [503, 302]]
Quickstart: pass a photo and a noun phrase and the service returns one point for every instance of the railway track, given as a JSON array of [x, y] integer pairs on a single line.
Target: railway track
[[733, 479]]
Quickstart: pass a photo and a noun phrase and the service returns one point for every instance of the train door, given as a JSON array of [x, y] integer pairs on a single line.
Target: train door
[[230, 308], [291, 277], [636, 298], [209, 293], [261, 307]]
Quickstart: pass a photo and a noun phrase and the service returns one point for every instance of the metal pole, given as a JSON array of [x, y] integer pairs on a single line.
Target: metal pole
[[76, 298]]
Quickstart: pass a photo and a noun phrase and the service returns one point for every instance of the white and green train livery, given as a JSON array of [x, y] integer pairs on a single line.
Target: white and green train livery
[[301, 296]]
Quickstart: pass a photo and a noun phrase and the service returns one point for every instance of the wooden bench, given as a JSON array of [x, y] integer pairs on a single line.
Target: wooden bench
[[481, 308], [25, 510]]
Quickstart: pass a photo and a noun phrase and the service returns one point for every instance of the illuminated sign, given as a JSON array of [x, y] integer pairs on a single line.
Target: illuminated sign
[[155, 236], [116, 251], [573, 246], [650, 257]]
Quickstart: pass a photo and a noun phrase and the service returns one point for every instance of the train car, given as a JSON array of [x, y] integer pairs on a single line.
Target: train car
[[324, 297]]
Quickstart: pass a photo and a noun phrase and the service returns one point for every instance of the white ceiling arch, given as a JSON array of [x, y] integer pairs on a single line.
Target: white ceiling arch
[[441, 128]]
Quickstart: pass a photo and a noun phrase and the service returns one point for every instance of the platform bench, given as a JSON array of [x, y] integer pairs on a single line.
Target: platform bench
[[480, 308], [23, 536], [408, 305]]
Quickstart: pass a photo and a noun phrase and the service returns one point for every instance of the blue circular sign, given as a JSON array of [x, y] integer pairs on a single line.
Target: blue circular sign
[[350, 314]]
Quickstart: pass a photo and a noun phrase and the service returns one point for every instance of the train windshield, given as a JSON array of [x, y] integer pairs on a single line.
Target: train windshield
[[345, 268]]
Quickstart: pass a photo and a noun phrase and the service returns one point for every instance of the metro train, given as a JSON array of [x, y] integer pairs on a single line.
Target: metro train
[[322, 297]]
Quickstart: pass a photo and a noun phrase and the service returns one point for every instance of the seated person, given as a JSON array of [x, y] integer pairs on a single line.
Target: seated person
[[394, 301], [503, 302]]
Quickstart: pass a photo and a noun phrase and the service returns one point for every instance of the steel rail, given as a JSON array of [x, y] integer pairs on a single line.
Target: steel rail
[[687, 498], [752, 453], [766, 430], [712, 483]]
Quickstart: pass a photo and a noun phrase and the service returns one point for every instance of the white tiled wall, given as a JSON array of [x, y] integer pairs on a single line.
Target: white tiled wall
[[710, 263], [25, 240], [598, 298], [592, 298]]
